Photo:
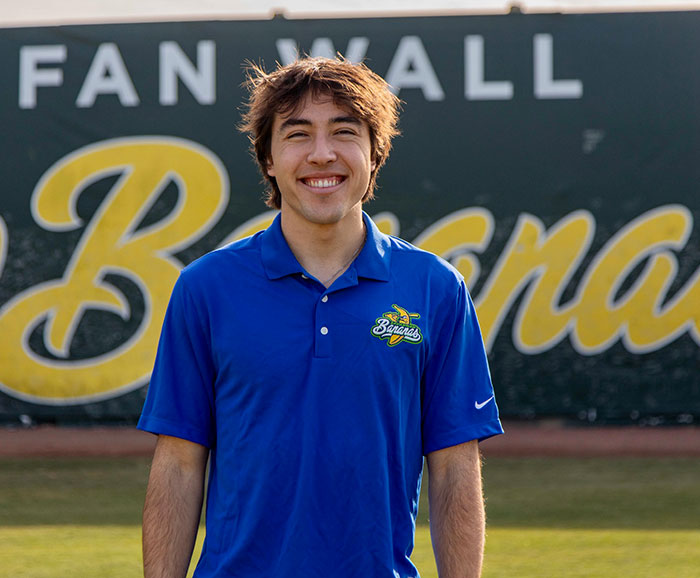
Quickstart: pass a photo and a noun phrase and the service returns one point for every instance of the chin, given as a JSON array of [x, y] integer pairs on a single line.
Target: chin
[[328, 217]]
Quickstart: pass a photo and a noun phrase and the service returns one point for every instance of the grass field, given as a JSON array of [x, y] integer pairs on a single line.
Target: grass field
[[547, 518]]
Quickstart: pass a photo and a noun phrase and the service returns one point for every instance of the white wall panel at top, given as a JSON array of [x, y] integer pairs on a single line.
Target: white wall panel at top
[[50, 12]]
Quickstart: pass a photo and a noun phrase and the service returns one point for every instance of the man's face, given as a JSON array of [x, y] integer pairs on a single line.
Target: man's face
[[321, 157]]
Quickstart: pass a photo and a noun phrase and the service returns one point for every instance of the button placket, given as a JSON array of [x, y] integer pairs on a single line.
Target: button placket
[[323, 327]]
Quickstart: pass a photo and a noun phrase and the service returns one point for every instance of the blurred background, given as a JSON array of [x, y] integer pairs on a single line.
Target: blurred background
[[549, 150]]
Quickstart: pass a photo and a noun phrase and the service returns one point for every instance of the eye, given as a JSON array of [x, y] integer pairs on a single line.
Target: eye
[[346, 131]]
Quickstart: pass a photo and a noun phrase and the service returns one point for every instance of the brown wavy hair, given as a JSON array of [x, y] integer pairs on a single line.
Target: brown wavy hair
[[353, 87]]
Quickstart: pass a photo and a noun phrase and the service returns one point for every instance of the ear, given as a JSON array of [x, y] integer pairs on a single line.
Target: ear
[[270, 168], [373, 166]]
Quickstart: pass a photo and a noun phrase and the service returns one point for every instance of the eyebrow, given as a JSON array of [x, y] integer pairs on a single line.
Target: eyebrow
[[294, 121]]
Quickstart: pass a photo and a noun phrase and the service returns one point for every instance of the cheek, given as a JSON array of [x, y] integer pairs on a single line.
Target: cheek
[[284, 161], [364, 157], [273, 161], [369, 159]]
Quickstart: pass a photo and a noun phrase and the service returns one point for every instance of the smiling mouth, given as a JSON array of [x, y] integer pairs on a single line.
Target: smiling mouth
[[323, 183]]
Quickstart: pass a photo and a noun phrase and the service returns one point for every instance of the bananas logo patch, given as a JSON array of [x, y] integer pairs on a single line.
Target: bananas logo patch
[[396, 327]]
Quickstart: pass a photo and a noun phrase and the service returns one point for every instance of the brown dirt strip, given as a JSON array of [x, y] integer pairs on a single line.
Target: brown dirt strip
[[521, 440], [51, 441], [529, 440]]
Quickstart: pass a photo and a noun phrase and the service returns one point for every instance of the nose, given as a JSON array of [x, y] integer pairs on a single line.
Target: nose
[[322, 151]]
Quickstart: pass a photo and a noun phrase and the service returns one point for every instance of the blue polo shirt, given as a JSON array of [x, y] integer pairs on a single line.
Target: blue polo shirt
[[318, 404]]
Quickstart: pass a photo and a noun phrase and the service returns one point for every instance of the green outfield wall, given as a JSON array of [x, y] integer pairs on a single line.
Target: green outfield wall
[[553, 159]]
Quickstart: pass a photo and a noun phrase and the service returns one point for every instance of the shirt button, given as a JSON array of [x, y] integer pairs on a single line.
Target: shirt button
[[324, 330], [324, 298]]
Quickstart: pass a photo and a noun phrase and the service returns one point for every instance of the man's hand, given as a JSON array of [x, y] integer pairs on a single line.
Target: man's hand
[[173, 507], [457, 519]]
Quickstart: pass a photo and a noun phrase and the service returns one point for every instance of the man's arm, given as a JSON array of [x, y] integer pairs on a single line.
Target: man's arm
[[173, 507], [457, 519]]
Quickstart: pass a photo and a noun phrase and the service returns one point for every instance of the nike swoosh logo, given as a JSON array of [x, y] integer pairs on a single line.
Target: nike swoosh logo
[[478, 405]]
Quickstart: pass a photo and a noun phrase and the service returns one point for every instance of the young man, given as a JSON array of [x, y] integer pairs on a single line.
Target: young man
[[315, 364]]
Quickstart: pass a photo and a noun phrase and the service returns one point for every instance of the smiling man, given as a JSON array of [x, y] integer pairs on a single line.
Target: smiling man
[[321, 157], [315, 364]]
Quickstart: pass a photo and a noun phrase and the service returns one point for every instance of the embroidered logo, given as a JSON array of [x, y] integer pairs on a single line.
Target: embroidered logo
[[396, 327]]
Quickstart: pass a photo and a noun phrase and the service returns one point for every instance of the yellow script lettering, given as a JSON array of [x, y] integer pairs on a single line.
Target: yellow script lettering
[[639, 316], [112, 242], [453, 236], [546, 262]]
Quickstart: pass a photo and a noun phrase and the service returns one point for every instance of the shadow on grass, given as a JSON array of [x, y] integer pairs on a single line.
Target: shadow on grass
[[630, 493], [57, 491], [594, 493], [601, 493]]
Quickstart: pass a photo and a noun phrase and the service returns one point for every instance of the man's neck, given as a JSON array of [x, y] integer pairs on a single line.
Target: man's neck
[[325, 251]]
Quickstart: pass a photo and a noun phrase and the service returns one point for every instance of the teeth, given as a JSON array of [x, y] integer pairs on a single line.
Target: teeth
[[323, 183]]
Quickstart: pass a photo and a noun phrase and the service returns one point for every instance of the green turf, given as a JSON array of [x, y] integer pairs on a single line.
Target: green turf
[[547, 518], [589, 553], [72, 491], [70, 551], [627, 493]]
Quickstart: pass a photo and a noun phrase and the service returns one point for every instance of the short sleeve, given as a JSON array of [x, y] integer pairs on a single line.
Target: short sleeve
[[180, 398], [458, 398]]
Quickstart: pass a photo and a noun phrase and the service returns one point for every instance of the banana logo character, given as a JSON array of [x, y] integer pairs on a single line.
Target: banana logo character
[[395, 326], [402, 317]]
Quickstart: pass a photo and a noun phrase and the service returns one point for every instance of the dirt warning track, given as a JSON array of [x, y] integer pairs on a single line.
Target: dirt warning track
[[521, 439]]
